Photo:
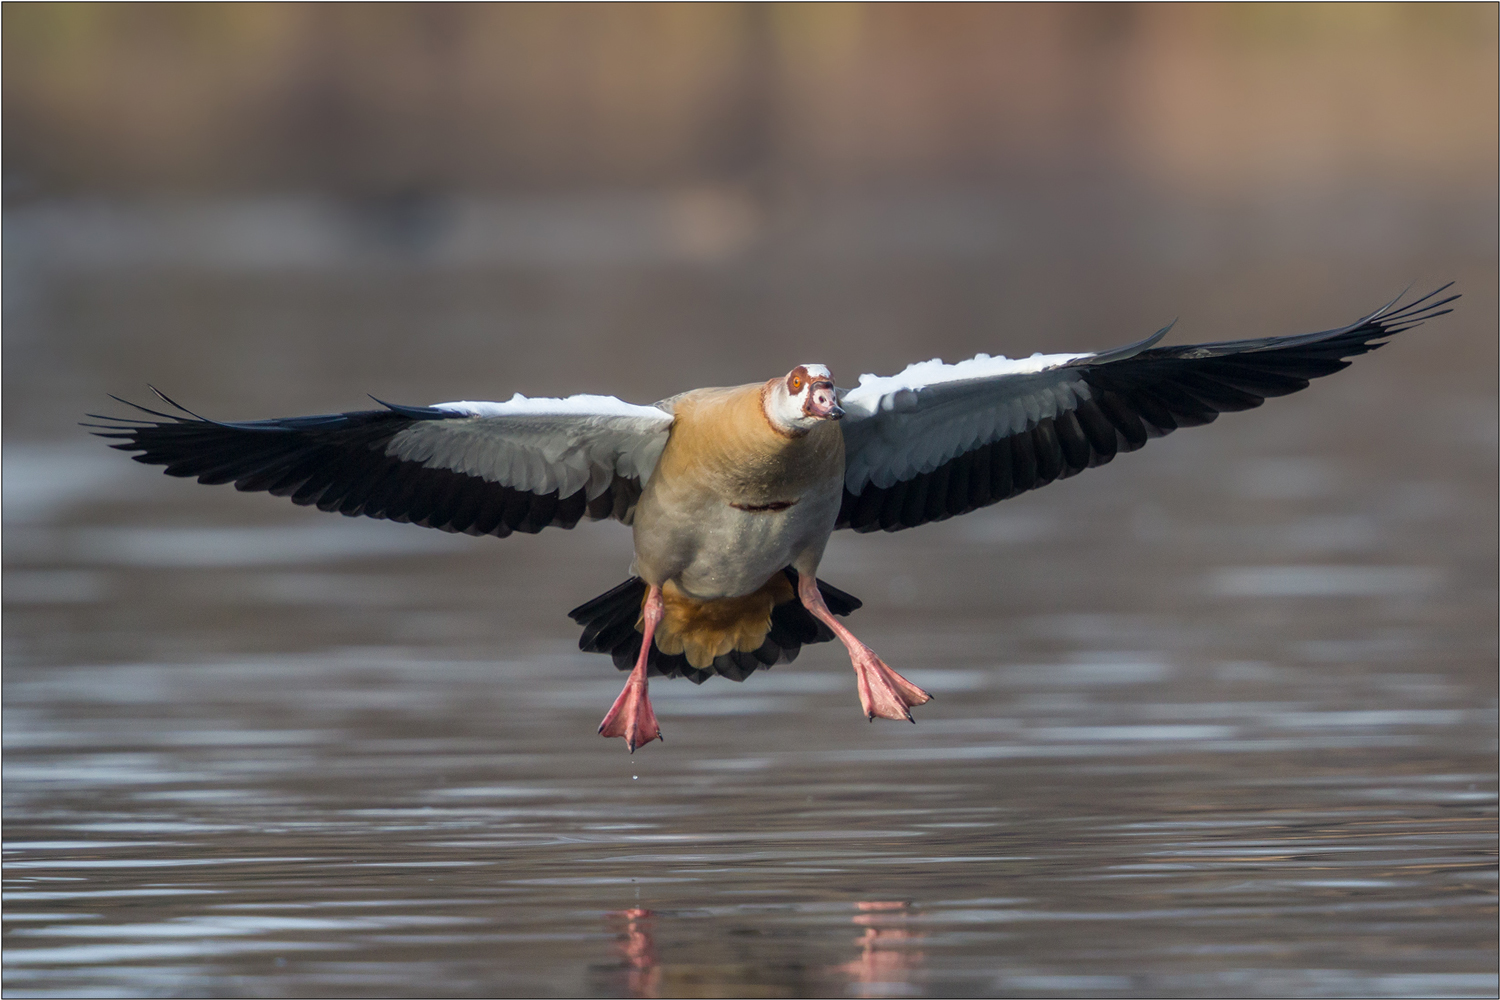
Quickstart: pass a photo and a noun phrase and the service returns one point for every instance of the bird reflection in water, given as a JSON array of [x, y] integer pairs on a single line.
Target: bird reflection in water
[[643, 976], [884, 965], [885, 960]]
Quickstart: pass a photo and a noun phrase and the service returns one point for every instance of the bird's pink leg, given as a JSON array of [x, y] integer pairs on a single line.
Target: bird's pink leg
[[882, 691], [631, 715]]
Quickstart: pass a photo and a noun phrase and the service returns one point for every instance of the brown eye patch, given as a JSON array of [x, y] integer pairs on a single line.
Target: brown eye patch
[[796, 384]]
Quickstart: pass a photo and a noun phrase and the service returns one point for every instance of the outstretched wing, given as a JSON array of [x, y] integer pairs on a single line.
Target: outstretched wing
[[479, 468], [939, 440]]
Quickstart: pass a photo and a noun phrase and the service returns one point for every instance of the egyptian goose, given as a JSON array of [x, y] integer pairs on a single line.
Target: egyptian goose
[[733, 493]]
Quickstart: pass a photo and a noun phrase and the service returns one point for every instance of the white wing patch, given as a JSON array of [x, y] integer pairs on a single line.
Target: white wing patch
[[541, 445], [873, 389], [582, 405], [900, 426]]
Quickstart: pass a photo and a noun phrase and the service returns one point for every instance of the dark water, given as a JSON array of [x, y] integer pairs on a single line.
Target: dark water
[[1219, 719]]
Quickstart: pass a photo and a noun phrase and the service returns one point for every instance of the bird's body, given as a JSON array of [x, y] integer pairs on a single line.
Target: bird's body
[[733, 500], [733, 493]]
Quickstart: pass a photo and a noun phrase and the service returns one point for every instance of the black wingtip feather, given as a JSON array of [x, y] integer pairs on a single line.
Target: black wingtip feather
[[176, 405], [418, 412], [144, 409]]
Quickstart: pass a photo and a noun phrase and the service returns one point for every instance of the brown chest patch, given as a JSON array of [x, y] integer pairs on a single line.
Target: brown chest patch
[[721, 445], [762, 508]]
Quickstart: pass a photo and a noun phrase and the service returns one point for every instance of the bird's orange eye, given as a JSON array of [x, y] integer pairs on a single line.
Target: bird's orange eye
[[796, 383]]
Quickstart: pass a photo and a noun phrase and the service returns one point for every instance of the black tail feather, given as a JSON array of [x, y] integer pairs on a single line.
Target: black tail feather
[[609, 627]]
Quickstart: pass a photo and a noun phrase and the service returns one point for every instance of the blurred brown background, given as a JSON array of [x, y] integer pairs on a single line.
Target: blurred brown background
[[382, 100], [271, 208]]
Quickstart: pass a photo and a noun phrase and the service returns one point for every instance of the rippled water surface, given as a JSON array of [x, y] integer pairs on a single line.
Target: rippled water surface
[[1218, 719]]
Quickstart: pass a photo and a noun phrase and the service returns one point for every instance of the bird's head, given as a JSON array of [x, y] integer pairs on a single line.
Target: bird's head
[[797, 402]]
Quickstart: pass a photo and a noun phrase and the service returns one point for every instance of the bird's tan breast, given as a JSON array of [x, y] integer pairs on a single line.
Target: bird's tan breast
[[733, 501], [723, 445]]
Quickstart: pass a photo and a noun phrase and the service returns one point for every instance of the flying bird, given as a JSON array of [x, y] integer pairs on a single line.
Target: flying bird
[[733, 493]]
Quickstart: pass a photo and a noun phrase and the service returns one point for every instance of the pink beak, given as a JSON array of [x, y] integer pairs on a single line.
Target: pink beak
[[823, 402]]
